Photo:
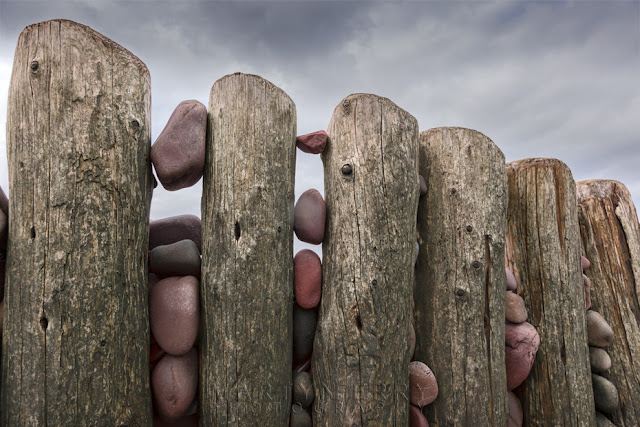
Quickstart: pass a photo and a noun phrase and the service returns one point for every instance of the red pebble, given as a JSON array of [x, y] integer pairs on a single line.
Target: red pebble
[[423, 384], [175, 228], [309, 217], [312, 143], [417, 418], [515, 410], [585, 263], [521, 345], [174, 382], [307, 278]]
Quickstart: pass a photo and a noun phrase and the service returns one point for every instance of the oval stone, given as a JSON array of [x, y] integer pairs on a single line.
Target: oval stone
[[599, 332], [304, 330], [585, 263], [416, 417], [605, 394], [174, 313], [174, 382], [521, 345], [423, 384], [312, 143], [599, 359], [175, 228], [512, 284], [603, 421], [300, 417], [303, 393], [310, 214], [307, 278], [515, 311], [176, 259], [178, 154], [515, 410]]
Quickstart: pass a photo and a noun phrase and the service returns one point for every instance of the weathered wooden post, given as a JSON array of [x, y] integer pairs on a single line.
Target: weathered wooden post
[[247, 254], [611, 241], [76, 331], [543, 251], [361, 356], [460, 277]]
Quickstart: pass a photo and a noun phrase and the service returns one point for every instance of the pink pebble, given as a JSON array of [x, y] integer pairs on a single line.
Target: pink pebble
[[174, 313], [307, 278], [521, 345], [515, 410], [309, 217], [423, 384], [312, 143], [417, 418], [174, 382], [585, 263], [512, 284]]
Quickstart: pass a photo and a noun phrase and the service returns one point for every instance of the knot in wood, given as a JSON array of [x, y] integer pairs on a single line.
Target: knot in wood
[[475, 264], [135, 124], [346, 103], [347, 169], [469, 228], [460, 292], [34, 66]]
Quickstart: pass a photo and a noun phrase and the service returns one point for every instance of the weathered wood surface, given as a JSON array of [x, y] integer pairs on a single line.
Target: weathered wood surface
[[543, 251], [611, 241], [460, 276], [247, 257], [361, 356], [76, 328]]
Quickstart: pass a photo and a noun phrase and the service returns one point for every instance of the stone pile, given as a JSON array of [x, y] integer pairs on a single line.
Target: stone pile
[[174, 260], [310, 214], [599, 335], [521, 345], [422, 382]]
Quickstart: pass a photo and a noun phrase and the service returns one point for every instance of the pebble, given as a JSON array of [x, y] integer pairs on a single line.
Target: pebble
[[603, 421], [304, 330], [300, 417], [587, 292], [521, 345], [416, 417], [412, 341], [423, 384], [515, 311], [175, 382], [309, 217], [515, 410], [175, 228], [174, 313], [512, 284], [599, 332], [176, 259], [423, 185], [312, 143], [605, 394], [303, 393], [178, 154], [599, 359], [307, 278], [585, 263]]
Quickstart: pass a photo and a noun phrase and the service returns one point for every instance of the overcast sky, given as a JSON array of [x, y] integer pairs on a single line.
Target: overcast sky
[[540, 78]]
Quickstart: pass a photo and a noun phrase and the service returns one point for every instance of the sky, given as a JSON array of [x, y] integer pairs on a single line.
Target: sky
[[556, 79]]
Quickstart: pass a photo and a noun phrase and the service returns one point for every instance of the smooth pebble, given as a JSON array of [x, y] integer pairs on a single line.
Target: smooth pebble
[[603, 421], [299, 417], [512, 284], [605, 394], [303, 393], [422, 383], [175, 228], [174, 382], [312, 143], [307, 278], [515, 410], [175, 259], [599, 333], [585, 263], [310, 213], [521, 345], [304, 329], [515, 311], [416, 417], [599, 359]]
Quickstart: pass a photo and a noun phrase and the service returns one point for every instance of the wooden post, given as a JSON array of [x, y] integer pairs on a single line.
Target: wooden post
[[611, 241], [361, 356], [460, 277], [247, 258], [76, 328], [543, 251]]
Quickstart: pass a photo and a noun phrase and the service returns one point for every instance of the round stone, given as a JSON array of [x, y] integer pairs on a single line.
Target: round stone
[[175, 228], [304, 330], [515, 410], [174, 313], [303, 393], [599, 332], [307, 278], [423, 384], [416, 417], [605, 394], [512, 285], [174, 382], [299, 417], [599, 359], [603, 421], [310, 214], [521, 345], [515, 311], [176, 259], [585, 263]]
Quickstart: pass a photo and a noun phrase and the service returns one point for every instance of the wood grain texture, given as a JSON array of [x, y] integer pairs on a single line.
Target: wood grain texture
[[610, 237], [460, 276], [360, 355], [247, 257], [543, 251], [76, 337]]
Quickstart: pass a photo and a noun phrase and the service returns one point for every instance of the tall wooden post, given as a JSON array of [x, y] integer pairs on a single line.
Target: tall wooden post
[[611, 241], [543, 251], [247, 254], [460, 277], [360, 356], [76, 329]]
